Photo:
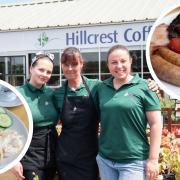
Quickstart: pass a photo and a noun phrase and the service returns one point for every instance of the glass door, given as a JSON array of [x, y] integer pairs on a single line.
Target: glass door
[[13, 69]]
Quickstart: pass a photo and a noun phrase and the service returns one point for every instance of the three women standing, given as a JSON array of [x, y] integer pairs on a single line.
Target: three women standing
[[77, 144]]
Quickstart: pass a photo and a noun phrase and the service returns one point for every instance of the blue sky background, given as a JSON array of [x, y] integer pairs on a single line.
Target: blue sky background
[[13, 1]]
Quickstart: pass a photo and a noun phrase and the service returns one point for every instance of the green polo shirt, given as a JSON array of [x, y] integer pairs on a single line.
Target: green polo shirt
[[123, 119], [80, 91], [40, 102]]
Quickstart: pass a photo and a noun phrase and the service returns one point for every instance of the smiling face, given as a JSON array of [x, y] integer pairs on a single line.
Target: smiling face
[[41, 72], [119, 64], [72, 64], [72, 71]]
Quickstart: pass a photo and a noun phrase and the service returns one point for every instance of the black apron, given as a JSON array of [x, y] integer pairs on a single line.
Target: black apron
[[41, 152], [77, 144]]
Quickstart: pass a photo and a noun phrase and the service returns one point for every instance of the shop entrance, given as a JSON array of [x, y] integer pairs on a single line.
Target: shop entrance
[[13, 69]]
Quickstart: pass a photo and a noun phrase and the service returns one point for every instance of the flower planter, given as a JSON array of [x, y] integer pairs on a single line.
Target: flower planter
[[169, 176]]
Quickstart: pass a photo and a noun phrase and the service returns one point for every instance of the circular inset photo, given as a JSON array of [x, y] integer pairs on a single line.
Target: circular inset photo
[[16, 126], [163, 52]]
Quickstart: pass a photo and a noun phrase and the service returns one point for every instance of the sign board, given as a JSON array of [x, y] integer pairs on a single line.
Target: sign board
[[128, 34]]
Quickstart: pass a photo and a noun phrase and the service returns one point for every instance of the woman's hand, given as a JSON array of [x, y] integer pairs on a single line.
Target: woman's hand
[[18, 171], [152, 169], [153, 86]]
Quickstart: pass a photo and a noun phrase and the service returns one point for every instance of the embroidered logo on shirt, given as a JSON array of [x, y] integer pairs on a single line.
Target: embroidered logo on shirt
[[75, 108], [128, 94], [46, 103]]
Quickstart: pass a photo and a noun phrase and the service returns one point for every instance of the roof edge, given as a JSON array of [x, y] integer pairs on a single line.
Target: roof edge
[[77, 25], [9, 5]]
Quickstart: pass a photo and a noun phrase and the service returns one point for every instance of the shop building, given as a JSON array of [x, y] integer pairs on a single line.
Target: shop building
[[91, 26]]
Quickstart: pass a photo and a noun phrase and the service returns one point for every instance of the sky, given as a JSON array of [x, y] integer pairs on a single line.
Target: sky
[[13, 1]]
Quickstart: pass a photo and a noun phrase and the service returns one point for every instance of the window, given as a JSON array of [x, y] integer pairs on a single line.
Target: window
[[55, 78], [12, 69], [104, 69], [139, 64], [91, 66], [2, 68]]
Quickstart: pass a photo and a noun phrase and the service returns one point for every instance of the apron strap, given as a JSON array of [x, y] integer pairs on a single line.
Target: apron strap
[[87, 88], [48, 151], [90, 94], [84, 82]]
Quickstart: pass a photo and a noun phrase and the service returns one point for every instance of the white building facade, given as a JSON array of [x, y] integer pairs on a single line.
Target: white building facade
[[23, 33]]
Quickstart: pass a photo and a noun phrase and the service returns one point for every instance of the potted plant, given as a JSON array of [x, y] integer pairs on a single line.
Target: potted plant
[[169, 160], [167, 103]]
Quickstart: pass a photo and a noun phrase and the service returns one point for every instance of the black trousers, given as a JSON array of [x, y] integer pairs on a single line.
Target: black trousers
[[43, 174], [76, 172]]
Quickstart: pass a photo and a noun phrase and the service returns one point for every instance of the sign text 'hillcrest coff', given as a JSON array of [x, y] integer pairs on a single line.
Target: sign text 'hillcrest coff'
[[84, 37], [129, 34]]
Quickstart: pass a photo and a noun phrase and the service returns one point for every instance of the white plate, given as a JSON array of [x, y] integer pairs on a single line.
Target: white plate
[[172, 90], [8, 98], [21, 129], [168, 18]]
